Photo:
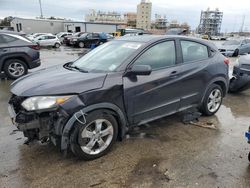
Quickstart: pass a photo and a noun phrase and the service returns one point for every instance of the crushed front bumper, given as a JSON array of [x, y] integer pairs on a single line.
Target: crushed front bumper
[[44, 124], [37, 125]]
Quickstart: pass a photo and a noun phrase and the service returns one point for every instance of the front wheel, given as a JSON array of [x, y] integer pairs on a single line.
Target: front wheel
[[96, 137], [212, 100], [81, 44]]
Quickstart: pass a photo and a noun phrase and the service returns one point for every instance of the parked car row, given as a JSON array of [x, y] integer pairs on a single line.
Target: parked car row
[[234, 47], [83, 39]]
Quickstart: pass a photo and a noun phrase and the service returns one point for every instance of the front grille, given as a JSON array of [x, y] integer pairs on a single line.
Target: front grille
[[16, 102]]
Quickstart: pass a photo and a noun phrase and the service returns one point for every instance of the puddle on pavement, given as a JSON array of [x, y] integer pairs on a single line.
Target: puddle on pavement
[[142, 132]]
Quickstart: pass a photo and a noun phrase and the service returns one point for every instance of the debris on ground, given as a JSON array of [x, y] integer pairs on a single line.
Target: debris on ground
[[192, 116], [206, 125]]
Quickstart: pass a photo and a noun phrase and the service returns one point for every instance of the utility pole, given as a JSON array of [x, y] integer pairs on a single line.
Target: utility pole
[[41, 10], [243, 23]]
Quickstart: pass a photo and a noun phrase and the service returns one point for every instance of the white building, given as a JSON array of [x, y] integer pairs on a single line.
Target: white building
[[28, 26], [143, 20], [72, 26], [104, 17]]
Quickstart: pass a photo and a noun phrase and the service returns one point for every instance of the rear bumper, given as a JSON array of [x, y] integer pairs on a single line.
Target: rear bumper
[[35, 63]]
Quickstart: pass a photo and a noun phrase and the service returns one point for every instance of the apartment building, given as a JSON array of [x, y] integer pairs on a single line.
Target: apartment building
[[143, 20]]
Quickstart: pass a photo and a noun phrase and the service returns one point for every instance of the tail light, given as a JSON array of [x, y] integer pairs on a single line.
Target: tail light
[[35, 47], [226, 61]]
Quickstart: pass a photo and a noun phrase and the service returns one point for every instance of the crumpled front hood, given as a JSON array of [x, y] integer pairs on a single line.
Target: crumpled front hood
[[57, 81]]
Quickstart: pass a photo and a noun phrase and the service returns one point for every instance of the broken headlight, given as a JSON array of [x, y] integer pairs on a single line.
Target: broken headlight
[[43, 102]]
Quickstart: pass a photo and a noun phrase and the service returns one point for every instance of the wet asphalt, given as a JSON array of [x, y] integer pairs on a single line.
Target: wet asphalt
[[164, 153]]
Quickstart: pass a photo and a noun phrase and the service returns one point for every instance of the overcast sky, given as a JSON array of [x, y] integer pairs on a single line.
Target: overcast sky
[[183, 11]]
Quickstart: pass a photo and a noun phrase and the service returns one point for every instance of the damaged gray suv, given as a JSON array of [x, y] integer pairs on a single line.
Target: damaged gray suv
[[86, 105]]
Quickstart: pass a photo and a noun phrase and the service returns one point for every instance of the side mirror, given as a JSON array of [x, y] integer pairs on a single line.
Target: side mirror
[[140, 70]]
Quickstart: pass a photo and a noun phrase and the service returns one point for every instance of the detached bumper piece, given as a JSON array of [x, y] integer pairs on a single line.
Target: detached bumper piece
[[240, 81]]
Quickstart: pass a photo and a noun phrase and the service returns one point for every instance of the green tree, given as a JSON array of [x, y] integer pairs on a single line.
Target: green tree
[[6, 21]]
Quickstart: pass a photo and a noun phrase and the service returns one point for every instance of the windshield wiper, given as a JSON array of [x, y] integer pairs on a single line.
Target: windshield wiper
[[76, 68]]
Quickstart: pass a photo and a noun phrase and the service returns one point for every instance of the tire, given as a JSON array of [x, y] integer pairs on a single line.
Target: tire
[[88, 147], [236, 53], [81, 44], [15, 68], [57, 45], [211, 105], [249, 156]]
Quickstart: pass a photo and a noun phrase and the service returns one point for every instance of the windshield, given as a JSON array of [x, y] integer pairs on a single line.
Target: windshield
[[76, 34], [232, 42], [107, 57]]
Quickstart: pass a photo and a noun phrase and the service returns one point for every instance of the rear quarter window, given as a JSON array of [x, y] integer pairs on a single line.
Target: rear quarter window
[[193, 51], [9, 39], [51, 37]]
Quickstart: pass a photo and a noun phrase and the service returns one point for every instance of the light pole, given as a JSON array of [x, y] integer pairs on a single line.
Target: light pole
[[41, 10]]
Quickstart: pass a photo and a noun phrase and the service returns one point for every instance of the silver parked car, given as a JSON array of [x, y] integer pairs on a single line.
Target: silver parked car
[[235, 47], [48, 40]]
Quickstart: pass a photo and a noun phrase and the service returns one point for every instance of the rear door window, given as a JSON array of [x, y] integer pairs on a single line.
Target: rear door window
[[193, 51], [159, 56]]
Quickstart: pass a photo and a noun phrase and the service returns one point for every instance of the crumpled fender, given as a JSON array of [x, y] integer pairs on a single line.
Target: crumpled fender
[[109, 106]]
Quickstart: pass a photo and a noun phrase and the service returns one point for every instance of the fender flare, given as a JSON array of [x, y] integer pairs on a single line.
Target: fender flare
[[217, 79], [109, 106], [11, 56]]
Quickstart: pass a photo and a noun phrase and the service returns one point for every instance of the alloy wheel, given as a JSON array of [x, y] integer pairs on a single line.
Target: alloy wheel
[[96, 136], [214, 100], [16, 69]]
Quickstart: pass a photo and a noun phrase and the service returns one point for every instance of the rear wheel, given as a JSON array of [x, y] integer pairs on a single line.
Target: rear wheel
[[81, 44], [96, 137], [212, 100], [15, 68], [57, 45]]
